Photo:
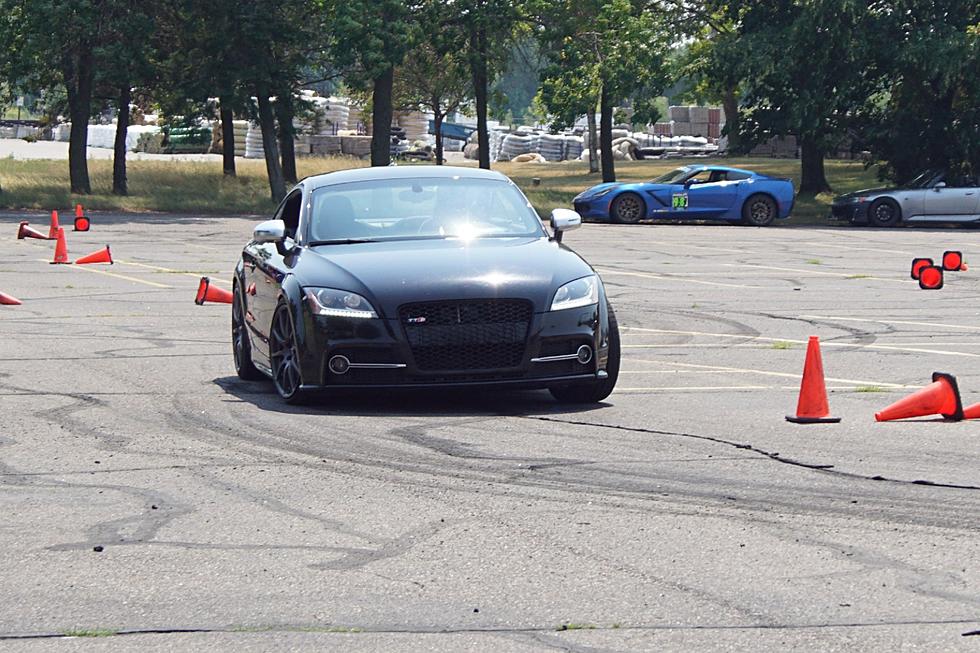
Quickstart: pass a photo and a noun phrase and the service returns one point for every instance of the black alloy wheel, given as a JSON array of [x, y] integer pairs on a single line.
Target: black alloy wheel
[[884, 212], [759, 211], [599, 389], [284, 357], [240, 345], [628, 208]]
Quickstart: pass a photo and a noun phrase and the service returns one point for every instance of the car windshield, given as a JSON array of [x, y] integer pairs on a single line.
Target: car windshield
[[924, 180], [675, 176], [421, 208]]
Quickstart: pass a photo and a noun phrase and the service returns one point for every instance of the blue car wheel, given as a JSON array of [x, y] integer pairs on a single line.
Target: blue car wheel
[[628, 208]]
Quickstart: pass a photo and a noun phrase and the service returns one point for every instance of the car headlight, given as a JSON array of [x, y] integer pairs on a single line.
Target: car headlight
[[339, 303], [602, 193], [574, 294]]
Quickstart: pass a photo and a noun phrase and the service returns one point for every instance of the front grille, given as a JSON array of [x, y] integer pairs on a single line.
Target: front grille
[[467, 335]]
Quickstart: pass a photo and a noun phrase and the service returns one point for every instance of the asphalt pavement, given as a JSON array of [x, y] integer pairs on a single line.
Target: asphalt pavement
[[152, 500]]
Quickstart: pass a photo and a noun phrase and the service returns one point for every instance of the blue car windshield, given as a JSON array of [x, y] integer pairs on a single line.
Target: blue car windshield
[[422, 208], [675, 176]]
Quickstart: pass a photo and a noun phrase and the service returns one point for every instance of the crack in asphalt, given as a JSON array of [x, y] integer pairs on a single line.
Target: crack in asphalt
[[325, 629], [827, 469]]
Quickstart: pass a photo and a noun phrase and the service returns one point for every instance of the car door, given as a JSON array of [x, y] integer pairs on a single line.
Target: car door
[[951, 198], [713, 195], [264, 273]]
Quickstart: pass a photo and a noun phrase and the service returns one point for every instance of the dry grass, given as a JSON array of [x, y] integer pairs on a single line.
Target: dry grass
[[200, 187]]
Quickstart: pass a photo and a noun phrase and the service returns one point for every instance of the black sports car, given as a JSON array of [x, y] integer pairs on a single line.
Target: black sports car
[[420, 276]]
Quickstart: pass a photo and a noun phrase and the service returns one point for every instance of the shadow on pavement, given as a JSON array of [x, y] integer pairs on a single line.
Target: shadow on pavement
[[436, 402]]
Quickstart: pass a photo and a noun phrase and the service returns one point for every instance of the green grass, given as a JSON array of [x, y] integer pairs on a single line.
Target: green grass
[[90, 632], [858, 276], [814, 261], [869, 388], [200, 187], [781, 344]]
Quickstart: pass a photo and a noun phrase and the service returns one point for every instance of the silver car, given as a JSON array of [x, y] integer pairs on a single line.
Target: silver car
[[933, 196]]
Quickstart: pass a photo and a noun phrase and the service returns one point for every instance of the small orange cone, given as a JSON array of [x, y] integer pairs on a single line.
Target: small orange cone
[[207, 293], [931, 277], [8, 300], [81, 221], [101, 256], [972, 412], [61, 248], [812, 406], [53, 230], [952, 261], [918, 264], [27, 232], [941, 397]]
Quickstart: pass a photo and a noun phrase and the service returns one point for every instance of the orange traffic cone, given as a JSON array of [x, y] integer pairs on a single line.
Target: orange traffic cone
[[812, 406], [8, 300], [61, 248], [27, 232], [918, 264], [942, 397], [81, 220], [931, 277], [101, 256], [972, 412], [53, 230], [207, 293]]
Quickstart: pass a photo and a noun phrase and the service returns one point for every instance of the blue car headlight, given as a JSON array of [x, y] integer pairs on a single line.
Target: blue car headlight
[[339, 303], [578, 293], [602, 193]]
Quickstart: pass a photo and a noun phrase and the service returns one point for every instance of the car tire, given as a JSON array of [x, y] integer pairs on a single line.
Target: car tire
[[759, 211], [884, 212], [240, 346], [598, 390], [284, 357], [628, 208]]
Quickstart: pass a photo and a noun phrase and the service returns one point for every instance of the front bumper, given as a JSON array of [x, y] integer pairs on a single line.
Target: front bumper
[[596, 209], [853, 212], [382, 347]]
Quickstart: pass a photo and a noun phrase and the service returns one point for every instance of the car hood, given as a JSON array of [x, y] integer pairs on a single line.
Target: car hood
[[390, 273], [595, 190], [867, 192]]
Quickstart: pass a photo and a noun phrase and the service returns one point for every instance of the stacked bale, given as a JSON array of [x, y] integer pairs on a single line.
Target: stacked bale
[[415, 124], [573, 147], [359, 146], [515, 145], [241, 133], [325, 145], [699, 121], [254, 149], [551, 147]]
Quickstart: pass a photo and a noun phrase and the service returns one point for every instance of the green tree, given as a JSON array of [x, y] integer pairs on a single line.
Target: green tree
[[929, 114], [371, 38], [604, 52]]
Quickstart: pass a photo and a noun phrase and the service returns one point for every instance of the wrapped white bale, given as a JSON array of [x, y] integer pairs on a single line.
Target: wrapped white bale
[[254, 149]]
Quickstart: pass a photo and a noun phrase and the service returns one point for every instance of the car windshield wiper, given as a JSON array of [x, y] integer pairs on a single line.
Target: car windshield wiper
[[342, 241]]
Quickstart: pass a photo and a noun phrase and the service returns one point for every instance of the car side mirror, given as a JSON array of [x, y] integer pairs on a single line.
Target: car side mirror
[[939, 184], [270, 231], [689, 183], [563, 220]]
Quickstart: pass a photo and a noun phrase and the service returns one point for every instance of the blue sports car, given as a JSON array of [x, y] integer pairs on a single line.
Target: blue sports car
[[695, 192]]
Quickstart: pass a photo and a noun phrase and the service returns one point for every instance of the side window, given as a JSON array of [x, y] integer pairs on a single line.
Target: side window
[[736, 176], [289, 212]]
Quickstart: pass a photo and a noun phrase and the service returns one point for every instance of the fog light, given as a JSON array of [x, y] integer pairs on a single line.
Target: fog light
[[584, 354], [339, 364]]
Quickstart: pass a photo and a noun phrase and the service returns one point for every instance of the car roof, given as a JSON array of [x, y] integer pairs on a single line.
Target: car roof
[[400, 172], [700, 167]]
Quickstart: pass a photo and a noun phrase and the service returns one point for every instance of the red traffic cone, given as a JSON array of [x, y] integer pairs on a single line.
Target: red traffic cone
[[918, 264], [61, 248], [101, 256], [207, 293], [53, 230], [81, 221], [931, 277], [972, 412], [941, 397], [8, 300], [952, 261], [27, 232], [812, 406]]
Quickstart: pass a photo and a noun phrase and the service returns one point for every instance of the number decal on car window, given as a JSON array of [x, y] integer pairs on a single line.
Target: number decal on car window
[[679, 201]]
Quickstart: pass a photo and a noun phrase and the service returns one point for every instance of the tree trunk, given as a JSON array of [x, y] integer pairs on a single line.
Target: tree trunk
[[478, 69], [78, 82], [730, 103], [381, 115], [119, 186], [593, 142], [605, 137], [287, 143], [227, 137], [277, 185], [813, 179], [437, 122]]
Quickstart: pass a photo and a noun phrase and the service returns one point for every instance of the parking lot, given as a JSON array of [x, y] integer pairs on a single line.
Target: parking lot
[[683, 513]]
